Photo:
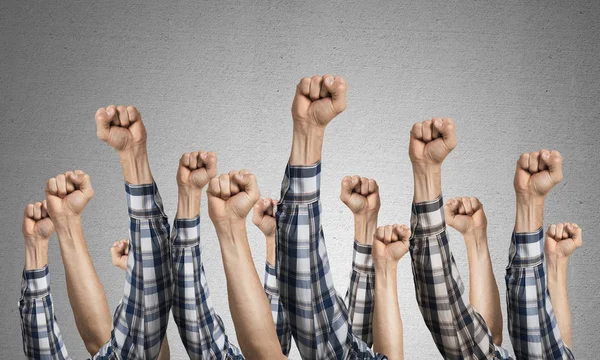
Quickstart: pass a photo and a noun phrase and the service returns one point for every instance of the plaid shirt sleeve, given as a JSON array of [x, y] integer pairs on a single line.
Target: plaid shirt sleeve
[[200, 328], [140, 320], [533, 329], [282, 323], [359, 297], [318, 316], [457, 329], [41, 335]]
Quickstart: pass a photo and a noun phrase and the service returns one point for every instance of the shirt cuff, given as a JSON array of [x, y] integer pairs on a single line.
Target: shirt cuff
[[362, 258], [144, 201], [187, 232], [301, 184], [526, 249], [35, 283], [270, 283], [428, 218]]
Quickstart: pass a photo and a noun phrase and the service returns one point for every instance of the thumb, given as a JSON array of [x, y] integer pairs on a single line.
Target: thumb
[[83, 182], [259, 211], [447, 129], [554, 162], [337, 88], [248, 183]]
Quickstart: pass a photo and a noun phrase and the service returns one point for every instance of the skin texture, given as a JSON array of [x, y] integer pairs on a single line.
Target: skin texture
[[37, 229], [119, 252], [561, 241], [466, 215], [389, 246], [66, 196], [263, 217], [361, 196], [230, 199], [536, 174]]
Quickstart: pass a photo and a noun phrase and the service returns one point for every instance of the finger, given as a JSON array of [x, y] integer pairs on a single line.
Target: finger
[[337, 88], [214, 187], [467, 204], [387, 238], [193, 161], [234, 186], [475, 204], [185, 160], [29, 210], [417, 131], [436, 124], [543, 163], [324, 92], [210, 162], [555, 166], [82, 181], [51, 186], [346, 189], [448, 131], [534, 159], [452, 206], [303, 87], [373, 187], [123, 116], [559, 232], [44, 209], [575, 234], [524, 161], [225, 186], [61, 183], [427, 130], [133, 114], [403, 232], [462, 210], [565, 231], [103, 120], [356, 184], [380, 233], [37, 211], [364, 186], [552, 231], [315, 87], [70, 185]]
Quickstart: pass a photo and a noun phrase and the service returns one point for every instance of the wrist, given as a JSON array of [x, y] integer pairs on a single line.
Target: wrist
[[477, 237], [188, 203], [136, 168], [427, 182], [307, 144], [36, 255], [529, 214], [365, 226], [386, 271], [557, 268]]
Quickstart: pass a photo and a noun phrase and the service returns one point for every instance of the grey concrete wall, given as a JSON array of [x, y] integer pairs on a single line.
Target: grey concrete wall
[[516, 76]]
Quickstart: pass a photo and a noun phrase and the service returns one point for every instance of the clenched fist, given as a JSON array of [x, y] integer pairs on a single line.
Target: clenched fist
[[37, 226], [318, 100], [119, 253], [361, 195], [431, 141], [264, 216], [231, 196], [465, 215], [67, 194], [562, 240], [121, 127], [196, 169], [391, 243], [537, 173]]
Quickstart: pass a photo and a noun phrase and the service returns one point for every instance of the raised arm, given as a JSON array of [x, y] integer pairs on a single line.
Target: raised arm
[[361, 196], [263, 217], [39, 327], [140, 321], [66, 196], [318, 317], [532, 325], [466, 215], [561, 241], [200, 328], [230, 199], [457, 329], [390, 245]]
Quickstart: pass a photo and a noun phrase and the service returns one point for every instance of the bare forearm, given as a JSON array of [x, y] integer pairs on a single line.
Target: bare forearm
[[529, 214], [271, 250], [307, 145], [387, 322], [36, 256], [364, 228], [427, 183], [483, 294], [136, 168], [557, 286], [247, 301], [86, 293], [188, 203]]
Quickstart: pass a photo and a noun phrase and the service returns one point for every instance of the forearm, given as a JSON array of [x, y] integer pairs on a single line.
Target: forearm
[[387, 321], [529, 214], [307, 145], [427, 182], [136, 168], [85, 291], [557, 286], [483, 290], [247, 301], [364, 228], [36, 256]]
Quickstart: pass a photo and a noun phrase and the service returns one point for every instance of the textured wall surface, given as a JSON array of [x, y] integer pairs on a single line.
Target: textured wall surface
[[220, 76]]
